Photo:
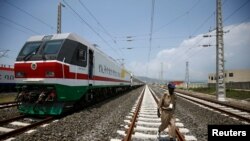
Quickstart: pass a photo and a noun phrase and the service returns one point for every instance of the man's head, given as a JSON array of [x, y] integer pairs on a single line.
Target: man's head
[[171, 88]]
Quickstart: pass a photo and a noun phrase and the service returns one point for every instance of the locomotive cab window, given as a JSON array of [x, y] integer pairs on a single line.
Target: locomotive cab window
[[29, 48], [79, 54], [82, 55], [52, 47]]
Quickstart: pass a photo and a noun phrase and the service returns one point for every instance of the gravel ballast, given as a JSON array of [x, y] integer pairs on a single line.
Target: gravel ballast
[[6, 113], [101, 121], [196, 118], [96, 123]]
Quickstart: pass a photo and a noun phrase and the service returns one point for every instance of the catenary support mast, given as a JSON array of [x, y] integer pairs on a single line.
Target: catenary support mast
[[187, 76], [220, 82], [59, 17]]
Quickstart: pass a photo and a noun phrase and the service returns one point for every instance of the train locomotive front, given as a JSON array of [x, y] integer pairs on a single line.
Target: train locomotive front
[[57, 72]]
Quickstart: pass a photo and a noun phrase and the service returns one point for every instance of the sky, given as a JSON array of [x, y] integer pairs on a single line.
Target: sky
[[153, 38]]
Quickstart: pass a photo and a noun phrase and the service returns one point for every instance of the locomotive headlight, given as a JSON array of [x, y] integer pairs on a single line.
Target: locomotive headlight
[[20, 74], [50, 74]]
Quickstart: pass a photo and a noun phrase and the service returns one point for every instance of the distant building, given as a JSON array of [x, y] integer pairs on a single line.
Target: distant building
[[177, 82], [182, 84], [6, 74], [7, 78], [236, 79], [193, 85]]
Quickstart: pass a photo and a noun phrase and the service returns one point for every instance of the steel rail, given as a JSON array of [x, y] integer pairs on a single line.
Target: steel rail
[[179, 135], [218, 109], [8, 104], [23, 129], [5, 103], [132, 124], [215, 101], [11, 119]]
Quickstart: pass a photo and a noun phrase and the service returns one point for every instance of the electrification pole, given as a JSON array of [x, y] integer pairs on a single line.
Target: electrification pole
[[220, 83], [187, 76], [59, 17]]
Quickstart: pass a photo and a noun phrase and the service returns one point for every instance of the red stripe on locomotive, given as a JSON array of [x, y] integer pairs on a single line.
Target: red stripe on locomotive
[[42, 68]]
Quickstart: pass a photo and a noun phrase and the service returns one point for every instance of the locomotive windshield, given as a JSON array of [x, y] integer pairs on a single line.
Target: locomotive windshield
[[52, 47], [46, 50], [65, 50], [30, 48]]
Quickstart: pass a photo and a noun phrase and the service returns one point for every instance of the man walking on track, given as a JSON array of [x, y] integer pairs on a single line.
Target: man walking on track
[[166, 108]]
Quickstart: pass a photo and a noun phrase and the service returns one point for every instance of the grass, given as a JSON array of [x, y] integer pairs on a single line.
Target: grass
[[204, 90], [7, 97], [236, 94]]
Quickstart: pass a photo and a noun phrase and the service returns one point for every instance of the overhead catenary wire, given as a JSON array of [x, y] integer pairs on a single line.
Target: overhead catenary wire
[[97, 21], [242, 22], [14, 22], [28, 13], [151, 31], [13, 27], [193, 54], [151, 28], [245, 19], [175, 19], [236, 10], [200, 49], [196, 45], [178, 17], [3, 53], [203, 23], [192, 35], [90, 27], [184, 51], [224, 2]]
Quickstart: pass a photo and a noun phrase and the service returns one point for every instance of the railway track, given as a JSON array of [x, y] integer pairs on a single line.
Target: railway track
[[7, 104], [213, 100], [142, 122], [226, 109], [9, 128]]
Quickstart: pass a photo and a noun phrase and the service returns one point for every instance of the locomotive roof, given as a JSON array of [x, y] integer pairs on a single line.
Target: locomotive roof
[[71, 36]]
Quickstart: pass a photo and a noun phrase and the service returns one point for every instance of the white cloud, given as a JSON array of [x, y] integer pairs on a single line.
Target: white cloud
[[201, 59]]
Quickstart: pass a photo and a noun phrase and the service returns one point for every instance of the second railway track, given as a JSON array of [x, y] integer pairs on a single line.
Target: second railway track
[[233, 112], [9, 128], [8, 104]]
